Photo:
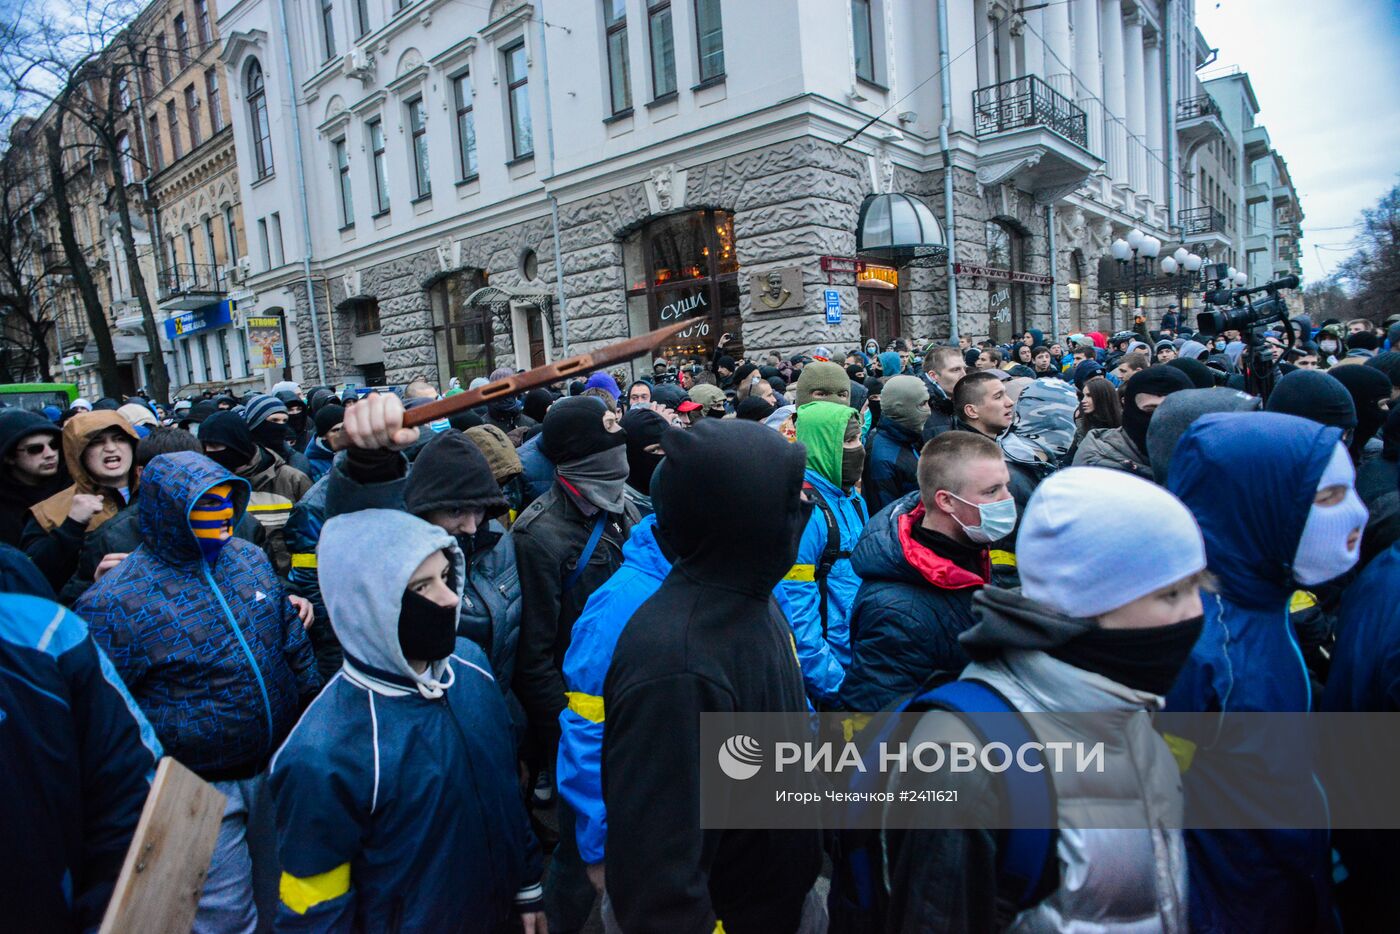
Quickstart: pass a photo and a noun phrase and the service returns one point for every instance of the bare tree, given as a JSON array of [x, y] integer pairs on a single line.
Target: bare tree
[[1373, 271], [29, 315], [1326, 299]]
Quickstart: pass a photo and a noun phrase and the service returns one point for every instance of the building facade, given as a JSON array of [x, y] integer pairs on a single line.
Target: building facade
[[701, 159]]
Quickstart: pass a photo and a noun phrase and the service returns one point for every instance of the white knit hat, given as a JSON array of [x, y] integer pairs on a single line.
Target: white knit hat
[[1094, 539]]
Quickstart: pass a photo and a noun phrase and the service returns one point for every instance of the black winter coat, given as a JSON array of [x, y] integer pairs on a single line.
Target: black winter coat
[[911, 607], [549, 538], [892, 469]]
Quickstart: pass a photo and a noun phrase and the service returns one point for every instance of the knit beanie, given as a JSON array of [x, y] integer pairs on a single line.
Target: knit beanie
[[707, 395], [825, 376], [537, 402], [1197, 372], [1062, 548], [452, 473], [1155, 381], [327, 417], [1179, 410], [904, 401], [498, 450], [573, 429], [605, 382], [1313, 395], [1367, 387], [256, 410], [753, 409]]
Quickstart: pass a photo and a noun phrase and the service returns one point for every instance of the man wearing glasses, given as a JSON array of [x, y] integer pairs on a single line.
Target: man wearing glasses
[[29, 468]]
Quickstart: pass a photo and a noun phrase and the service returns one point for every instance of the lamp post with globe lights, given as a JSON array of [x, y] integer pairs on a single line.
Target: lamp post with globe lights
[[1140, 250], [1182, 265]]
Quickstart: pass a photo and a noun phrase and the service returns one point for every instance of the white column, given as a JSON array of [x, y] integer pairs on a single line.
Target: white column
[[1136, 103], [1111, 38], [1088, 76], [1058, 57], [1156, 119]]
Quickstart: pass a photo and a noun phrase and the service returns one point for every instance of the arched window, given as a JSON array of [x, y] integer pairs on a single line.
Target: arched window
[[257, 118], [684, 266], [463, 335], [1006, 300], [124, 155]]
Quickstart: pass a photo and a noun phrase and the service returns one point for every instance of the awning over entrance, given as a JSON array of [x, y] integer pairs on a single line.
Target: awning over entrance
[[900, 230], [126, 347]]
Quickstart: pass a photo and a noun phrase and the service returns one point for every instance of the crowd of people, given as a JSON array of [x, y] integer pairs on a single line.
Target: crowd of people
[[397, 650]]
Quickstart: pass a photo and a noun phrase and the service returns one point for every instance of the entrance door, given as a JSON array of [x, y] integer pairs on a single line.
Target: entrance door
[[536, 331], [879, 316]]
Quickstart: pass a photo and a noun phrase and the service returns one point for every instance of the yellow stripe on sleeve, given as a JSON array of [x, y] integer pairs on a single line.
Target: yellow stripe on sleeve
[[304, 560], [587, 706], [1003, 559], [802, 572], [301, 895]]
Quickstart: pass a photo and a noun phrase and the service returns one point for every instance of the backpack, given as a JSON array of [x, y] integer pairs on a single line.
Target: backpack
[[831, 551], [859, 899]]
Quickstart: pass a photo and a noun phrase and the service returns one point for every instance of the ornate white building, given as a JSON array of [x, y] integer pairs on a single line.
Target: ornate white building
[[414, 174]]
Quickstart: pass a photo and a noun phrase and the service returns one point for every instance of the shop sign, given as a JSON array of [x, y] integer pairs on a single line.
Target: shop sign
[[1008, 275], [879, 277], [199, 319], [999, 304], [265, 348], [776, 289]]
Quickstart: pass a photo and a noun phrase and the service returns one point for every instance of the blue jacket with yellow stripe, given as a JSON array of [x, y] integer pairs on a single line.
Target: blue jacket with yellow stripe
[[824, 660], [579, 767]]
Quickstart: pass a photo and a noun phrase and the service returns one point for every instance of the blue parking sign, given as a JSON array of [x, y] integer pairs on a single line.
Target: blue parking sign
[[833, 306]]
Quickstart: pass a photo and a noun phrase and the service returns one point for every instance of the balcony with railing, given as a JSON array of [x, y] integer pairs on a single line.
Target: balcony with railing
[[1196, 222], [1198, 119], [1032, 135], [184, 286]]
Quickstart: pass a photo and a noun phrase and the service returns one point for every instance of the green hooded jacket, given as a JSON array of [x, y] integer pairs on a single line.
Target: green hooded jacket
[[821, 426]]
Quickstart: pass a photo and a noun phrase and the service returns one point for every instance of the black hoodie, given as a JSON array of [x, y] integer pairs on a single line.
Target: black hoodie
[[451, 473], [17, 497], [711, 639]]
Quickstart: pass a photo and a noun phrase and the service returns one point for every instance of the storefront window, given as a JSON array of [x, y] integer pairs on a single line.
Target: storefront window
[[463, 335], [1006, 301], [681, 267]]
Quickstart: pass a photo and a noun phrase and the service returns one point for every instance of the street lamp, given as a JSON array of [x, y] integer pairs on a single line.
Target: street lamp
[[1240, 279], [1140, 250], [1182, 265]]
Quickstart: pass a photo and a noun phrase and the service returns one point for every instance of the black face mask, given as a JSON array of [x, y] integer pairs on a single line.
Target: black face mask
[[272, 435], [1142, 659], [427, 632], [852, 463], [228, 458], [297, 421]]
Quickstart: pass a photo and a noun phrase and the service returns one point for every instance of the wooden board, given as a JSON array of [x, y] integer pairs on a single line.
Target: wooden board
[[163, 874]]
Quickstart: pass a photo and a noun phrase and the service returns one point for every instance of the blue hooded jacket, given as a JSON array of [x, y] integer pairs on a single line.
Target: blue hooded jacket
[[579, 768], [215, 656], [1250, 479], [397, 806]]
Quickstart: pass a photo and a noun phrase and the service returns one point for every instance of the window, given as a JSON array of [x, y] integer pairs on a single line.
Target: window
[[192, 115], [123, 93], [381, 171], [191, 269], [153, 143], [201, 18], [182, 39], [342, 167], [518, 92], [209, 241], [863, 34], [366, 312], [163, 57], [709, 37], [462, 334], [663, 49], [222, 340], [257, 116], [361, 17], [144, 67], [619, 68], [683, 266], [128, 168], [1006, 300], [208, 358], [264, 243], [328, 27], [189, 361], [418, 140], [466, 126], [216, 107], [172, 123], [275, 226], [231, 231]]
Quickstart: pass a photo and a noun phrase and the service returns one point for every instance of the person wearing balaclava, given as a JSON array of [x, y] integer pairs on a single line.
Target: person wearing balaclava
[[821, 585], [890, 364], [710, 640], [1179, 411], [276, 487], [197, 627], [298, 419], [1272, 524], [1071, 639], [1125, 448], [892, 469], [269, 423], [507, 412], [1316, 396], [396, 798], [644, 429], [1369, 387]]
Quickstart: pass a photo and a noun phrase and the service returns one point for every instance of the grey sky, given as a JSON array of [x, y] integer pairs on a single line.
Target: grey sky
[[1326, 73]]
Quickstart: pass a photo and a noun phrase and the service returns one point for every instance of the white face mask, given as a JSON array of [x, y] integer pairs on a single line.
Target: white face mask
[[1322, 549], [997, 520], [1328, 346]]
